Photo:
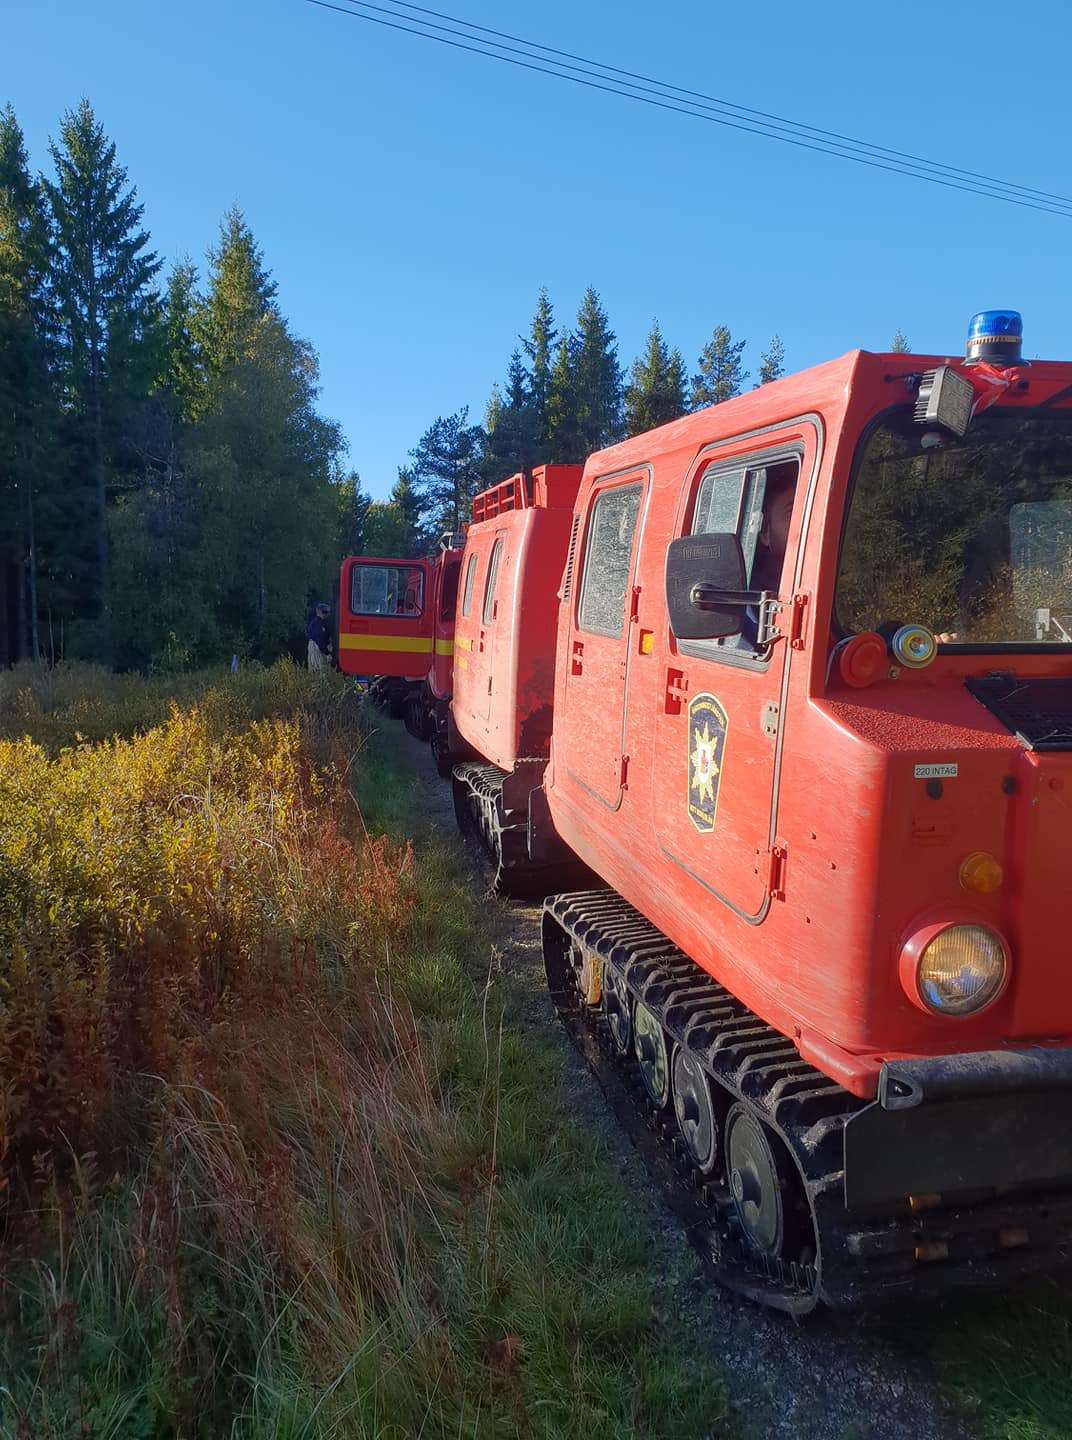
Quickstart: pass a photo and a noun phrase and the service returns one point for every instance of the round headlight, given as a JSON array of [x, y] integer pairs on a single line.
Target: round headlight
[[961, 969]]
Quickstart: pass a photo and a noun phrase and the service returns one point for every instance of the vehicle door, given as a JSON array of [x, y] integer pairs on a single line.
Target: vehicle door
[[592, 725], [484, 657], [385, 617], [446, 605], [719, 719]]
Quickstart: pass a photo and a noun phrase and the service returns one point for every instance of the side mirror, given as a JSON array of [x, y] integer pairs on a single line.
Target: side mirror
[[705, 587]]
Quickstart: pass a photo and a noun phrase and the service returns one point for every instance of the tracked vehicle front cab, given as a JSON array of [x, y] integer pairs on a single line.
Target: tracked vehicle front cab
[[813, 720]]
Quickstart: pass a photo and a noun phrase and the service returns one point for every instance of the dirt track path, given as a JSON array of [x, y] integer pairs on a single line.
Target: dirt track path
[[831, 1378]]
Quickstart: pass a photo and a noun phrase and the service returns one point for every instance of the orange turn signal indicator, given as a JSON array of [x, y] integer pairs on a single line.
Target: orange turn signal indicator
[[981, 873]]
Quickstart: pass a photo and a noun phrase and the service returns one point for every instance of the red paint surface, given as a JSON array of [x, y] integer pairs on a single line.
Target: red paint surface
[[869, 856], [504, 665]]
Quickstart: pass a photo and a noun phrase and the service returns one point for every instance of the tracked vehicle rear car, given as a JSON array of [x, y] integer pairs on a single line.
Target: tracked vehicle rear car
[[813, 731], [504, 674]]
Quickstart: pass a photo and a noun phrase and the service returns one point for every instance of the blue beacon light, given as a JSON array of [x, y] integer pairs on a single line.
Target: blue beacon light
[[996, 335]]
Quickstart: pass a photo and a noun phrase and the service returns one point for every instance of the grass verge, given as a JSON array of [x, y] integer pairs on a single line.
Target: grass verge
[[273, 1162]]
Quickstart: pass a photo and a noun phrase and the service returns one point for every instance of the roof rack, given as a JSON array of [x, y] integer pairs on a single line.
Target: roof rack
[[548, 487], [509, 494]]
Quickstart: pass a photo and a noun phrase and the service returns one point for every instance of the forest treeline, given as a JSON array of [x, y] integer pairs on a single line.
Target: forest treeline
[[565, 394], [169, 493]]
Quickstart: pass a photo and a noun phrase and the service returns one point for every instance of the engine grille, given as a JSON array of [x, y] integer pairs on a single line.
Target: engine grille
[[1038, 712]]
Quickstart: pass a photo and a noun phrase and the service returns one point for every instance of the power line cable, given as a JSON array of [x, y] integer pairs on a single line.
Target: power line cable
[[615, 88], [714, 101]]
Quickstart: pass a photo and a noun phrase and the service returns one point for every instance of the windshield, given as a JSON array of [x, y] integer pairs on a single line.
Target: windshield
[[972, 537]]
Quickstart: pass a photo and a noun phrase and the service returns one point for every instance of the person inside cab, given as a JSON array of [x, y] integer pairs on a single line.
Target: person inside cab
[[772, 542]]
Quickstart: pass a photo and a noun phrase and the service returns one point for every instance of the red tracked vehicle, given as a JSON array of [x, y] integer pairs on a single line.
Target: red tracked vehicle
[[812, 726], [396, 625], [504, 669]]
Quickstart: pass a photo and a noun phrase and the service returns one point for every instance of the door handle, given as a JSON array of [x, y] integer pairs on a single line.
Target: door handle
[[576, 658], [677, 689]]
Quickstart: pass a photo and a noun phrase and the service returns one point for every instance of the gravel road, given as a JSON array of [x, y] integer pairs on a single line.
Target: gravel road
[[828, 1378]]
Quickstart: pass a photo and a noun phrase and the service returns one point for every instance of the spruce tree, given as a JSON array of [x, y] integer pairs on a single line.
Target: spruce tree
[[720, 376], [265, 460], [102, 280], [540, 349], [510, 426], [354, 507], [183, 371], [656, 390], [447, 470], [899, 344], [27, 416], [405, 499], [563, 444], [597, 377], [772, 361], [241, 298]]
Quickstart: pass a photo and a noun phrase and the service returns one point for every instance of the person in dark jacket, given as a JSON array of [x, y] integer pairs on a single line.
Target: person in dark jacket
[[318, 634]]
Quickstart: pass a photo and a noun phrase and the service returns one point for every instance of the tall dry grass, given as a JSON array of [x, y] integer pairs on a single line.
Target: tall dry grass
[[271, 1165]]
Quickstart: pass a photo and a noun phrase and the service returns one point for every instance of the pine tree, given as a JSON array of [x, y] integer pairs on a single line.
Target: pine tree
[[720, 376], [540, 349], [102, 280], [656, 390], [447, 470], [27, 419], [899, 344], [772, 361], [597, 377]]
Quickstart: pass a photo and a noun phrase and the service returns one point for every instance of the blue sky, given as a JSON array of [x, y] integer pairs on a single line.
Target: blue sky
[[411, 199]]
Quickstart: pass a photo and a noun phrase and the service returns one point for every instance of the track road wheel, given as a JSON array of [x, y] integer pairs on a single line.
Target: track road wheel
[[695, 1110], [767, 1190], [616, 1008], [649, 1046]]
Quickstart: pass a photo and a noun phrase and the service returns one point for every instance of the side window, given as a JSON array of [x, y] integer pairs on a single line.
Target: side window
[[754, 503], [448, 600], [493, 578], [391, 590], [606, 566], [470, 577]]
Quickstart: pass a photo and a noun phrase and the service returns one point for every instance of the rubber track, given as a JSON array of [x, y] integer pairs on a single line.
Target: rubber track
[[503, 835], [861, 1260]]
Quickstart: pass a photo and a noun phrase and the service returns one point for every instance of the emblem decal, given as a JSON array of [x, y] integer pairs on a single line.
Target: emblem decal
[[708, 723]]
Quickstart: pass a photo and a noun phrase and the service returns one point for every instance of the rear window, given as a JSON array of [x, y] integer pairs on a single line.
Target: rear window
[[493, 580], [607, 560], [396, 590], [470, 577]]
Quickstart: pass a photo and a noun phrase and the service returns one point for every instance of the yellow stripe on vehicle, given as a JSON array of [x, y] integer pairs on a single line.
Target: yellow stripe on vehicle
[[399, 644], [444, 647]]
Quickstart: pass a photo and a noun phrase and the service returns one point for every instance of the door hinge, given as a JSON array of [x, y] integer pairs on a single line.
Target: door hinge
[[634, 604], [623, 773], [779, 857], [770, 719], [796, 621]]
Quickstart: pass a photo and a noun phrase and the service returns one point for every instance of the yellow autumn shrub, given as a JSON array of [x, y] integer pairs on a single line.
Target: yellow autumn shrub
[[154, 888]]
